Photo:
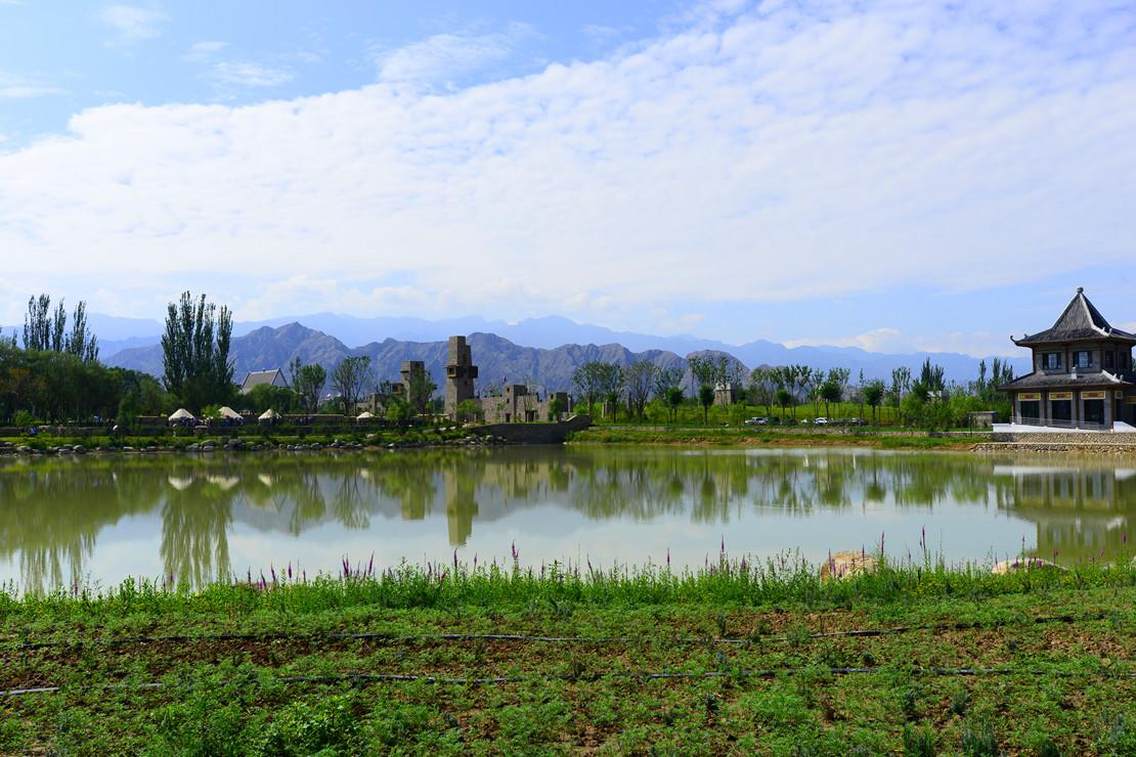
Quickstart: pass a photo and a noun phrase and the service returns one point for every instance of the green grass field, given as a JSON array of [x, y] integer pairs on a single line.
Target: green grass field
[[760, 436], [690, 414], [732, 659]]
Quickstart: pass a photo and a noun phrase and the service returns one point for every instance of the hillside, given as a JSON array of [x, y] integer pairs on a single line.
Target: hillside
[[499, 359], [502, 360]]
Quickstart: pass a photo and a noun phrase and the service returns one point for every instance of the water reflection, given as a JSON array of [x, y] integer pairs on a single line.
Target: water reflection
[[54, 512]]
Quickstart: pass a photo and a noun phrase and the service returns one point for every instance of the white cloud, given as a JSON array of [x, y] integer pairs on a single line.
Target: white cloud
[[895, 341], [602, 33], [133, 23], [22, 88], [876, 340], [444, 57], [246, 74], [25, 91], [203, 51], [777, 155]]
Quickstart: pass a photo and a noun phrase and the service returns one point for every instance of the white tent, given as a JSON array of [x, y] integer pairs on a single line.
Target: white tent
[[230, 414], [182, 415], [224, 482], [268, 416], [181, 484], [365, 415]]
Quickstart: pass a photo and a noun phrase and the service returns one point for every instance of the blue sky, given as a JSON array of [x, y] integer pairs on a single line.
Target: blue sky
[[891, 175]]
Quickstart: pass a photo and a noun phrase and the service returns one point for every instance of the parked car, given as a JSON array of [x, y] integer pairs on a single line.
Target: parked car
[[822, 421], [755, 421]]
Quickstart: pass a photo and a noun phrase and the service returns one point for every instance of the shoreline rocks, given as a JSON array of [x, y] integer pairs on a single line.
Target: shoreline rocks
[[246, 445]]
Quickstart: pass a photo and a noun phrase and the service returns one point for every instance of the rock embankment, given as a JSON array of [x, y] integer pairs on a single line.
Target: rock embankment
[[1115, 449], [240, 445]]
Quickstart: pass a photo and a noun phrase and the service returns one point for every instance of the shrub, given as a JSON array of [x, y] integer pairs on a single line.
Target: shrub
[[918, 742], [979, 740]]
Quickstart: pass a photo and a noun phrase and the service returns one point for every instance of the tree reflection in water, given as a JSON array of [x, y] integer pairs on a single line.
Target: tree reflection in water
[[53, 510]]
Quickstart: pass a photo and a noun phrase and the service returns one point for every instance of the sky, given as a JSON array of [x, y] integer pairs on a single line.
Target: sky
[[891, 175]]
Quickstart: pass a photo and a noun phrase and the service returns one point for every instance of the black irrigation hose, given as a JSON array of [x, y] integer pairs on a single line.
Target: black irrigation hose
[[631, 676], [461, 637]]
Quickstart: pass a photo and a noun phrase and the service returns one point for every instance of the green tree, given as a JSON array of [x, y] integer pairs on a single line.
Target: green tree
[[420, 390], [556, 408], [469, 411], [595, 380], [585, 381], [350, 379], [830, 391], [639, 380], [784, 399], [195, 352], [81, 342], [838, 376], [674, 398], [900, 383], [265, 396], [62, 387], [398, 410], [611, 385], [762, 387], [665, 380], [930, 385], [873, 395], [308, 382], [37, 324], [706, 399], [47, 332]]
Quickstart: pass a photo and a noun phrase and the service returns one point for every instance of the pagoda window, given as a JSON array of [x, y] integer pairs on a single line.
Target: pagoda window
[[1082, 359], [1051, 361]]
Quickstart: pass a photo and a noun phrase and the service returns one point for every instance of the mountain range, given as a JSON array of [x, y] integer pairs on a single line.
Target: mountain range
[[553, 346], [546, 360]]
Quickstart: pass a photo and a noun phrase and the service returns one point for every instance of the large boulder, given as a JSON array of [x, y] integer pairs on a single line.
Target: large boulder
[[845, 564], [1005, 567]]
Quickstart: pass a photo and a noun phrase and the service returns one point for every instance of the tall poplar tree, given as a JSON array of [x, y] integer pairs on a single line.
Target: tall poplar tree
[[195, 352]]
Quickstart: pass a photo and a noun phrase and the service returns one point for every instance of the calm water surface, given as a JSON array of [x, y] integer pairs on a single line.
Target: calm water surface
[[99, 519]]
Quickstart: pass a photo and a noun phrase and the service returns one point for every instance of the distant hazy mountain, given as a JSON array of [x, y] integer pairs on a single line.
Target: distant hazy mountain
[[124, 341], [501, 360], [552, 332]]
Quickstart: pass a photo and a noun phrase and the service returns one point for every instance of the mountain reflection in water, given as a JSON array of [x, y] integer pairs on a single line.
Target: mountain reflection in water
[[67, 521]]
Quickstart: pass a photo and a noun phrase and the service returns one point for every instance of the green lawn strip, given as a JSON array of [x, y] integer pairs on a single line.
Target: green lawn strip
[[630, 435]]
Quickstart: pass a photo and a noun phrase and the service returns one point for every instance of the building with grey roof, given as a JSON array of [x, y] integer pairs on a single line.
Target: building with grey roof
[[274, 377], [1082, 373]]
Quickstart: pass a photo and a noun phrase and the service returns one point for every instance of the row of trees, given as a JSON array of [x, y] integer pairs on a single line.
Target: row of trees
[[56, 376], [925, 399], [45, 330], [636, 384]]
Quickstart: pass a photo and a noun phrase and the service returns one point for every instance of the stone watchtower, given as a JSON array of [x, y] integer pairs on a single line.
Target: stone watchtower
[[460, 375]]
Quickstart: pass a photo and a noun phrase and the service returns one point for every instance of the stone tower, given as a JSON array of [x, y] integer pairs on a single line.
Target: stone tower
[[460, 375]]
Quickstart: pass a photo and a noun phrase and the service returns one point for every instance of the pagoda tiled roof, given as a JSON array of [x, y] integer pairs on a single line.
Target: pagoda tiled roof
[[1080, 321], [1070, 381]]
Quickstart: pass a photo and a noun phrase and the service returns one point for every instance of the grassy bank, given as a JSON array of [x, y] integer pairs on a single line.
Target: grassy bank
[[417, 436], [747, 437], [732, 659]]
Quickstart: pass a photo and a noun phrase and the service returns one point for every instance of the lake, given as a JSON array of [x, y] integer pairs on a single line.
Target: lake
[[96, 520]]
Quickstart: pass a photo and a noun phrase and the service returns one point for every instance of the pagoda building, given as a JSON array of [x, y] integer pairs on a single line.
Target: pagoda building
[[1082, 373]]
